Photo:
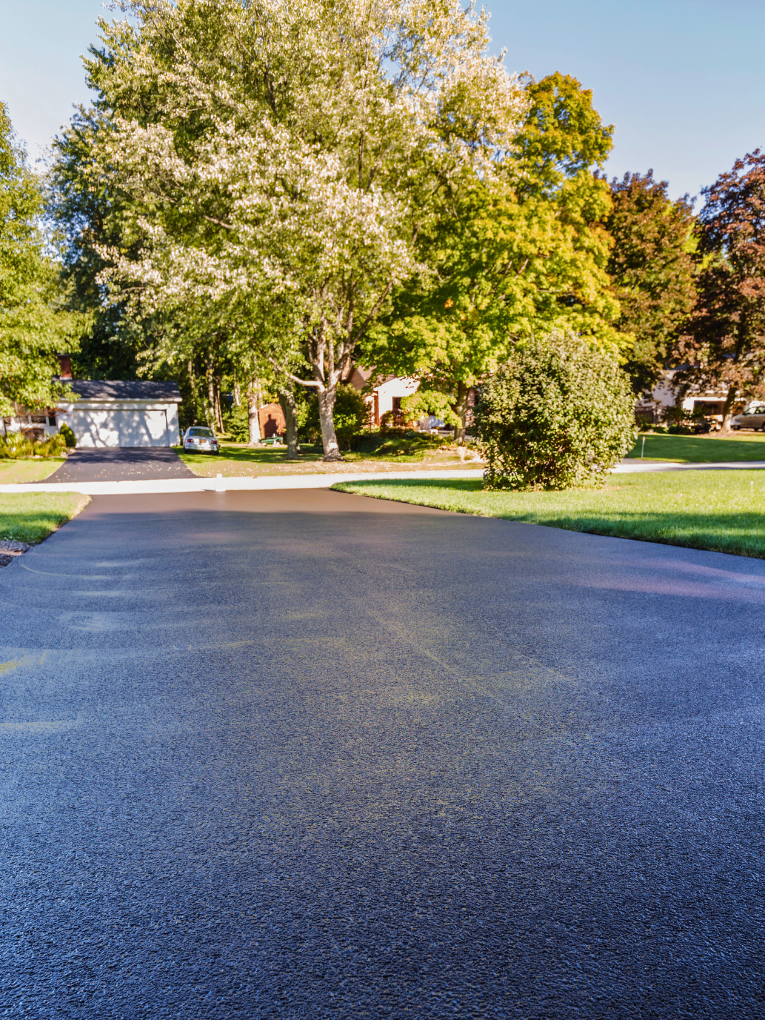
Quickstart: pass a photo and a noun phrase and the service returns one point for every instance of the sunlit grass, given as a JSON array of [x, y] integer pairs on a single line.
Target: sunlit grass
[[237, 459], [719, 510], [701, 449], [12, 472], [31, 517]]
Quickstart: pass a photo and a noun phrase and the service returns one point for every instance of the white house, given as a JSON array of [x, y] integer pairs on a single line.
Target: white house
[[663, 397], [112, 413], [387, 396]]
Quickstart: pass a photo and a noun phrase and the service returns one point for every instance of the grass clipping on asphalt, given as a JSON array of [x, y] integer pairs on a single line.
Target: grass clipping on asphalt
[[717, 510], [31, 517]]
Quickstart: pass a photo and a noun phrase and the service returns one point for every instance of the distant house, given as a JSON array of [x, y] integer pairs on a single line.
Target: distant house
[[114, 413], [385, 397], [653, 407], [35, 426]]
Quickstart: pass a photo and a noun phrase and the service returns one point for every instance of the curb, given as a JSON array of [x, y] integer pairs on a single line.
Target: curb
[[221, 484]]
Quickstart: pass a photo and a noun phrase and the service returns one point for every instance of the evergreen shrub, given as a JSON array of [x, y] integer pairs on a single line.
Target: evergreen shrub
[[236, 421], [70, 439], [557, 415]]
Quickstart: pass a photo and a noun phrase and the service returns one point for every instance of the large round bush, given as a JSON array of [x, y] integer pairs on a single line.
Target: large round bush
[[558, 414]]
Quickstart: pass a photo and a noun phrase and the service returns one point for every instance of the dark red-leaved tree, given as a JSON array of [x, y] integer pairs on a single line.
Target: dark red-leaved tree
[[725, 342]]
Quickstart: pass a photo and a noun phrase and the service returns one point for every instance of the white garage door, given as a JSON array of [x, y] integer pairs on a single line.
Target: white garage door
[[119, 428]]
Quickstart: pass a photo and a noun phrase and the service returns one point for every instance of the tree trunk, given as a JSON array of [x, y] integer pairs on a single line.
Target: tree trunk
[[210, 407], [193, 382], [289, 409], [727, 414], [461, 409], [326, 407], [237, 393], [253, 407], [216, 393]]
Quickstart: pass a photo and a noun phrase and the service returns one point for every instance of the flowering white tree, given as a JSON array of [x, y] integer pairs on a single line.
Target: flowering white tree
[[285, 153]]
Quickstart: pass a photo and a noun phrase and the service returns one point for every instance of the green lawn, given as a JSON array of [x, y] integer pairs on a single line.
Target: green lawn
[[237, 459], [720, 510], [33, 470], [31, 517], [701, 449]]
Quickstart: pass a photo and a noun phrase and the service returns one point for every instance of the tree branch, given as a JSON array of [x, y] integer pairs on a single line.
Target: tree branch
[[289, 375], [376, 308]]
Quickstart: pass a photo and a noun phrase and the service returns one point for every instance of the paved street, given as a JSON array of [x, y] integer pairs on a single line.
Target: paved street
[[305, 755]]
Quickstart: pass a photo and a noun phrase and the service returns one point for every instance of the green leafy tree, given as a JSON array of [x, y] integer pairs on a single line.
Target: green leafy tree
[[33, 327], [87, 216], [724, 343], [653, 266], [558, 414], [428, 401], [524, 251], [288, 153]]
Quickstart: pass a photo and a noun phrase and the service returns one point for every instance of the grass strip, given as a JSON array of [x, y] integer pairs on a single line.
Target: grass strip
[[238, 460], [32, 469], [717, 510], [31, 517], [700, 449]]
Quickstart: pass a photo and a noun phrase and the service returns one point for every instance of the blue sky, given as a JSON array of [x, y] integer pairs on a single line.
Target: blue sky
[[683, 81]]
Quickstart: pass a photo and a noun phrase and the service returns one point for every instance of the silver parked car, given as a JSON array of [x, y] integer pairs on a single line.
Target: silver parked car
[[752, 418], [200, 439]]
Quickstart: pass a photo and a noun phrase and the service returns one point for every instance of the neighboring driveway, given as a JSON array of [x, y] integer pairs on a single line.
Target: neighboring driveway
[[129, 463], [306, 755]]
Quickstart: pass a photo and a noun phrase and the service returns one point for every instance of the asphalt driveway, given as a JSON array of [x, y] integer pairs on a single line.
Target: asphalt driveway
[[302, 754], [126, 463]]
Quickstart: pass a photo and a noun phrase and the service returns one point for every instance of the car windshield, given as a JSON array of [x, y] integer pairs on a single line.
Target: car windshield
[[201, 432], [755, 410]]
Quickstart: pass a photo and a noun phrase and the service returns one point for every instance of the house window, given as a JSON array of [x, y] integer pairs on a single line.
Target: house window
[[396, 403]]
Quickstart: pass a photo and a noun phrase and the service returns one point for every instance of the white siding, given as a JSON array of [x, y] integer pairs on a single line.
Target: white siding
[[122, 426]]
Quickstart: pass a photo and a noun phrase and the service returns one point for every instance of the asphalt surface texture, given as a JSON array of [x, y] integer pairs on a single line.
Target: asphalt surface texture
[[307, 755], [128, 463]]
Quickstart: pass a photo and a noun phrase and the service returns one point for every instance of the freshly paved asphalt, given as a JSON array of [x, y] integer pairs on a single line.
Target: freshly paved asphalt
[[305, 755], [131, 463]]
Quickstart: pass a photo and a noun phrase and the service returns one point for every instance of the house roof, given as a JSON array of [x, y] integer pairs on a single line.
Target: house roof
[[114, 389]]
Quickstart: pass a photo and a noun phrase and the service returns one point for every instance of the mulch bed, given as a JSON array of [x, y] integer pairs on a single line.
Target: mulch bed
[[9, 550]]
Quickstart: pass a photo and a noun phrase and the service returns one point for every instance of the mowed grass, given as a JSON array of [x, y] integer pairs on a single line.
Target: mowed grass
[[718, 510], [33, 469], [31, 517], [701, 449], [239, 460]]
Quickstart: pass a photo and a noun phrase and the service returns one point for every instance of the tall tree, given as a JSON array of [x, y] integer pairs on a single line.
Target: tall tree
[[725, 341], [87, 215], [33, 327], [652, 264], [509, 255], [288, 152]]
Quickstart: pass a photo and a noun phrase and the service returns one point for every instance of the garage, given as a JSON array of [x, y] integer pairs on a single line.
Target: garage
[[112, 413]]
